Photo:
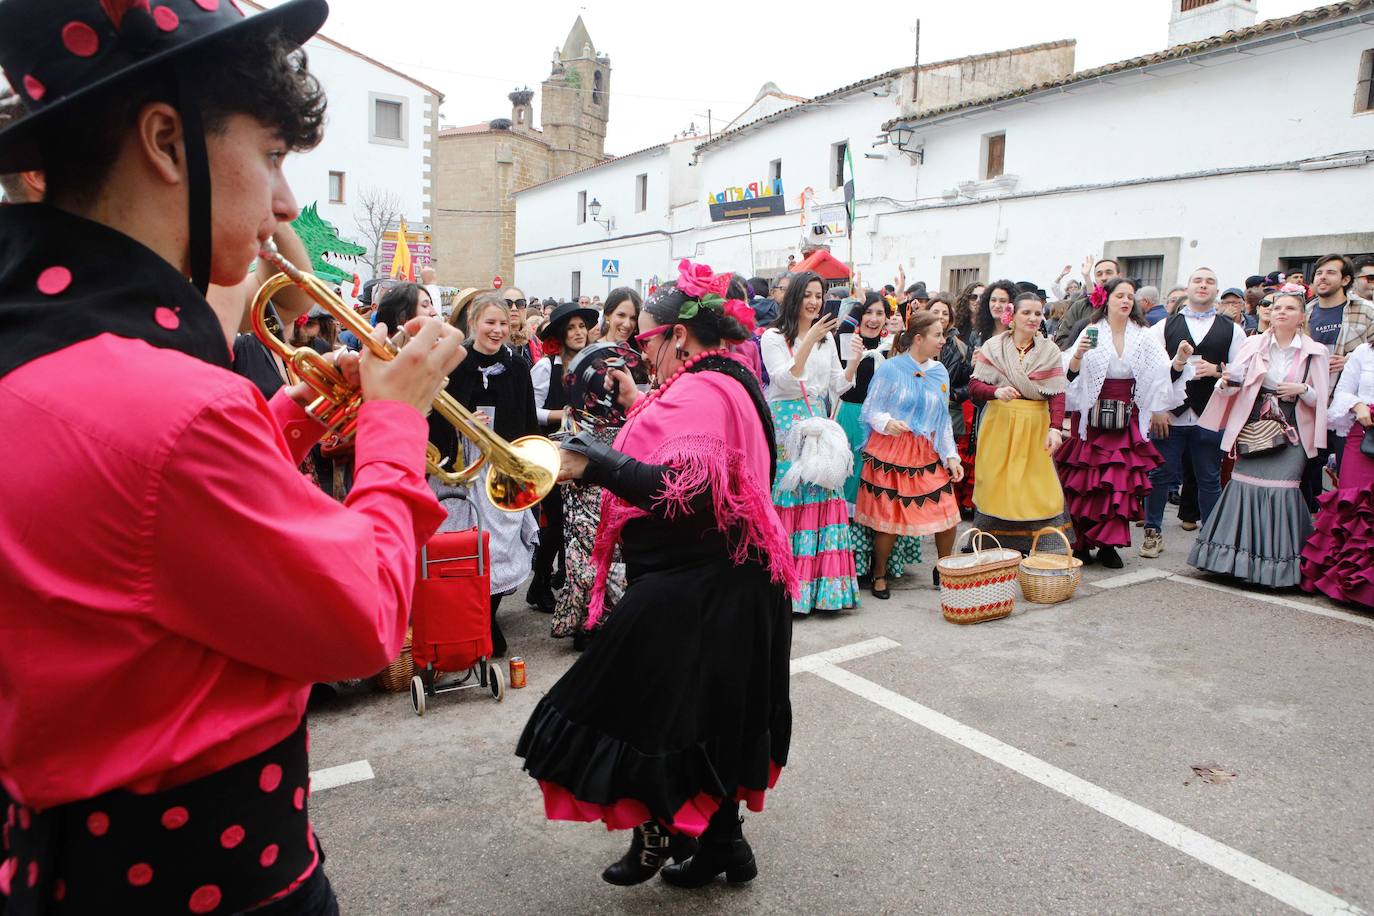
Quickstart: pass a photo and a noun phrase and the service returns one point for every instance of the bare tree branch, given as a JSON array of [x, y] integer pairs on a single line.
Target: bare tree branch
[[378, 209]]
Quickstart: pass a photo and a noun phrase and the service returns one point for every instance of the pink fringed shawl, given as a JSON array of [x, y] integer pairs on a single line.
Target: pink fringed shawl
[[705, 426]]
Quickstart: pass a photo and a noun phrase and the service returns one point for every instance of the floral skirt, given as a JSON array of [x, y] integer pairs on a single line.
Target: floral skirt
[[581, 515], [968, 448], [1106, 474], [818, 522], [1338, 560], [848, 417]]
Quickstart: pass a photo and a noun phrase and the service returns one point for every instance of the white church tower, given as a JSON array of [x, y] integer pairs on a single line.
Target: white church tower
[[1194, 20]]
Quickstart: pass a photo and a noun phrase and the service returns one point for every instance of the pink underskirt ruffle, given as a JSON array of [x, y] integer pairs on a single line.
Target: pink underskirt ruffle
[[691, 819], [1105, 477], [1338, 560]]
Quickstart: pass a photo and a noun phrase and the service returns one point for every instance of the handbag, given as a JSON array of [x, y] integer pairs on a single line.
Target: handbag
[[818, 449], [1109, 414], [1269, 432], [1367, 443]]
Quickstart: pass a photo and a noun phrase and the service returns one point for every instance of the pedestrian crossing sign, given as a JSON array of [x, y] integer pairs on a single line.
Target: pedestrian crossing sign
[[610, 267]]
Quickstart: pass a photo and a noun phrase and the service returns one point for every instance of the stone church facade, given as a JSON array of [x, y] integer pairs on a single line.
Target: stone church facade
[[477, 167]]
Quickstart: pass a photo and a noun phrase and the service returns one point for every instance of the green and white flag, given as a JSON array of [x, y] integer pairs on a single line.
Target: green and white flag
[[849, 190]]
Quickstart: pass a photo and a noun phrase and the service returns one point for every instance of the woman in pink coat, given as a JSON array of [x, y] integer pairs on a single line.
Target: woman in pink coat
[[1260, 524]]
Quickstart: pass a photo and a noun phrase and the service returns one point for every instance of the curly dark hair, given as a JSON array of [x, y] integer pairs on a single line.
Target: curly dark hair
[[962, 316], [988, 327], [267, 79]]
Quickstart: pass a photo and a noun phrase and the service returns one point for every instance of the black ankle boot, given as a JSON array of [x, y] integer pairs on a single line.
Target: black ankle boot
[[649, 847], [723, 850]]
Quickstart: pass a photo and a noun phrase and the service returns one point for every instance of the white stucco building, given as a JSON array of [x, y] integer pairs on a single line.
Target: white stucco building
[[1246, 151], [380, 130]]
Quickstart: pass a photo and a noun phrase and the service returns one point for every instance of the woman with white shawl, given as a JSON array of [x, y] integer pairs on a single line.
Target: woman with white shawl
[[1119, 376]]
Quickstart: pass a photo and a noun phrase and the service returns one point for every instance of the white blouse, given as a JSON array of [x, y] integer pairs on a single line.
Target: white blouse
[[1356, 386], [824, 373]]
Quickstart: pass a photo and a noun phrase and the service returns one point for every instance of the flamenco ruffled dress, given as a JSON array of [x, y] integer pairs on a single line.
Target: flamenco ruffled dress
[[1106, 475], [1338, 560]]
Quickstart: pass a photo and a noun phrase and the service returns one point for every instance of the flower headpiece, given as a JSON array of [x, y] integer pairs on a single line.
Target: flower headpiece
[[704, 289], [1099, 296], [1008, 313]]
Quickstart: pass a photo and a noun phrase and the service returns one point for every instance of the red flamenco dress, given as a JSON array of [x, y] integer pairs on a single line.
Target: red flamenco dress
[[1106, 474], [1338, 560]]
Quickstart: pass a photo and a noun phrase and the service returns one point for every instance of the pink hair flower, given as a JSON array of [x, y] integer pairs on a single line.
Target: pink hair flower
[[1008, 312], [697, 280], [1098, 297]]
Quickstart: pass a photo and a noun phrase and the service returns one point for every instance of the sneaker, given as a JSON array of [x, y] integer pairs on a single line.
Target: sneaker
[[1154, 544], [1188, 526]]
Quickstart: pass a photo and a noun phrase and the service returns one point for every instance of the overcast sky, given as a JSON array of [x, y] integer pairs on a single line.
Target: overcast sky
[[672, 63]]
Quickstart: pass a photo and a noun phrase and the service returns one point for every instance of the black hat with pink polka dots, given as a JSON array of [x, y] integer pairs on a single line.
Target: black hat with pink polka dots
[[54, 52]]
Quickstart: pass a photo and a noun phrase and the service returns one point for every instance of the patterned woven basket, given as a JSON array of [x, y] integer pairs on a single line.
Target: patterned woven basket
[[395, 677], [978, 586], [1048, 578]]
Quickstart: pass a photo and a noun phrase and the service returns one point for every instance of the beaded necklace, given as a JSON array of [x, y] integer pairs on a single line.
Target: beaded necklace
[[658, 392]]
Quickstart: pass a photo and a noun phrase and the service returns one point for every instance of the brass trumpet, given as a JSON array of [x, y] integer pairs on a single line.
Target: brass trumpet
[[520, 473]]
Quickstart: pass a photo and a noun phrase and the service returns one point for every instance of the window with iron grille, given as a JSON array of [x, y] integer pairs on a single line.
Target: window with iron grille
[[962, 277], [1147, 271]]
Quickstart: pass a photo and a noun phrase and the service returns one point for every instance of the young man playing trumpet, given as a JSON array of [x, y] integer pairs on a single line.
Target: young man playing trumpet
[[172, 586]]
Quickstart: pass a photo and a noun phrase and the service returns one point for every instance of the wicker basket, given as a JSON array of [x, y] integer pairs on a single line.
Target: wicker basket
[[979, 586], [395, 677], [1048, 578]]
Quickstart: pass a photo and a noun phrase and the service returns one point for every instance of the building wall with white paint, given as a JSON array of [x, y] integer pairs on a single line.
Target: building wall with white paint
[[353, 84]]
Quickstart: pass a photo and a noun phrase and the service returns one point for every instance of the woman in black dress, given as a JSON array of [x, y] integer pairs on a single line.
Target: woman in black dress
[[679, 709]]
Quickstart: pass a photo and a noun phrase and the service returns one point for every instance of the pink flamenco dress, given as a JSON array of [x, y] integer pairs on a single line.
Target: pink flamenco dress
[[1338, 560]]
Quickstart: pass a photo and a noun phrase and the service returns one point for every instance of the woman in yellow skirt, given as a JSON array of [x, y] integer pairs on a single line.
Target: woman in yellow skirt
[[1020, 375]]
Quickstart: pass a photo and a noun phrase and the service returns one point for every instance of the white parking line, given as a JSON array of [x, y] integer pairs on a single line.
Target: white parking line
[[843, 654], [333, 777], [1247, 869], [1277, 599]]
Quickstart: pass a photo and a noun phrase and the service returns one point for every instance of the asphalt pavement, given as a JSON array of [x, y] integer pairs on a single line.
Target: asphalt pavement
[[1043, 763]]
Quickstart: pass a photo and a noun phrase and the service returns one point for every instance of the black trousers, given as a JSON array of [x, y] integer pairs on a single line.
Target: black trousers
[[1188, 508], [550, 536]]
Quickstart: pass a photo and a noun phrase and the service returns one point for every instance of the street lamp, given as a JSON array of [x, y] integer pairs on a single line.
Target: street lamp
[[594, 208], [904, 138]]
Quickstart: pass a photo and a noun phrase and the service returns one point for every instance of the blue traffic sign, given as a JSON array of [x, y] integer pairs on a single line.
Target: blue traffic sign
[[610, 267]]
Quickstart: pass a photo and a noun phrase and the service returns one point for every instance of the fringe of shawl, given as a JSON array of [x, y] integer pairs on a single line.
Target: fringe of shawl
[[741, 504]]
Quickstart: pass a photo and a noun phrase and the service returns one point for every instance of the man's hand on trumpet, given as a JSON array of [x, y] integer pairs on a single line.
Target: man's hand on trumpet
[[419, 371]]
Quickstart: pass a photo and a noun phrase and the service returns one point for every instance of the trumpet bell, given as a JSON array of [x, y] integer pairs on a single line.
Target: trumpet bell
[[538, 474]]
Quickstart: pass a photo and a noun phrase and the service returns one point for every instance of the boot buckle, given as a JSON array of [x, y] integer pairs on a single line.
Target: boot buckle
[[656, 840]]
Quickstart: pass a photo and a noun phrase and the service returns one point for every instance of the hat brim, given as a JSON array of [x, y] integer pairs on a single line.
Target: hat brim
[[557, 323], [299, 20]]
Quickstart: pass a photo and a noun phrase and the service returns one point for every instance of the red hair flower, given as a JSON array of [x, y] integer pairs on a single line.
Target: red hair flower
[[1098, 297], [552, 347], [697, 280], [738, 310]]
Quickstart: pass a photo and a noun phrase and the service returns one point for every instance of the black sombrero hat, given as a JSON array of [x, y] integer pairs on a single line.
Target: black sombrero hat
[[57, 52], [567, 311]]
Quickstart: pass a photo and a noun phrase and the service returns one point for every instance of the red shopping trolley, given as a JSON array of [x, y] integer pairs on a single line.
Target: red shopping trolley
[[451, 619]]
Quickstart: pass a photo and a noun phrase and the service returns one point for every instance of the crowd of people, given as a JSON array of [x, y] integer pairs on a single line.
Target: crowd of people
[[756, 451], [1087, 413]]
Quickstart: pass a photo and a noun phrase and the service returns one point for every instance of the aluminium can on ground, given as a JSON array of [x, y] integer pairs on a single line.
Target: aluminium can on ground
[[517, 672]]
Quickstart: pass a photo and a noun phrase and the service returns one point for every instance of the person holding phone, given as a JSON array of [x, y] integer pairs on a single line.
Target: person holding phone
[[804, 370]]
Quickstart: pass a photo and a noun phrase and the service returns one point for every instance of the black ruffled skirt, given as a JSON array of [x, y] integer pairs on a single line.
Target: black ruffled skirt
[[681, 702]]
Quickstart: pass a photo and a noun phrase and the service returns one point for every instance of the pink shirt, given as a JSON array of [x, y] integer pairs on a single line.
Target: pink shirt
[[171, 584]]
